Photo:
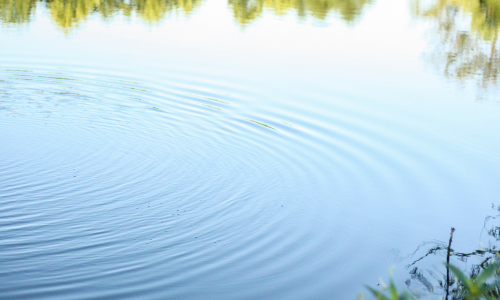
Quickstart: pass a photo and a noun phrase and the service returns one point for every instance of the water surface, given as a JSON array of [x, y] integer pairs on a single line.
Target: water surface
[[239, 150]]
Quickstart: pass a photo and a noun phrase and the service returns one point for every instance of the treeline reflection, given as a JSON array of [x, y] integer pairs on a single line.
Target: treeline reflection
[[464, 39], [467, 39], [245, 11], [16, 12], [70, 13]]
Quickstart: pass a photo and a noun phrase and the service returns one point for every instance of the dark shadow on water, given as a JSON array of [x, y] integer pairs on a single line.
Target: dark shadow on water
[[428, 272]]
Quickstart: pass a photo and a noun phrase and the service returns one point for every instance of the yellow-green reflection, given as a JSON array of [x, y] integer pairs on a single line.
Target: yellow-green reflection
[[15, 11], [68, 14], [246, 11], [468, 35]]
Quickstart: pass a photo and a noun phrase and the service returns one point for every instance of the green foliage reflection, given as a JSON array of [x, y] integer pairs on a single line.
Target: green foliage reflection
[[466, 52], [15, 11], [68, 14], [245, 11]]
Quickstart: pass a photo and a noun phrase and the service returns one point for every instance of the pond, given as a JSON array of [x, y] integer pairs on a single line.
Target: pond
[[241, 149]]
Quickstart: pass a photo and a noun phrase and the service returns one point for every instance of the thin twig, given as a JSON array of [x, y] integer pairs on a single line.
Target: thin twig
[[448, 263], [431, 251], [485, 261]]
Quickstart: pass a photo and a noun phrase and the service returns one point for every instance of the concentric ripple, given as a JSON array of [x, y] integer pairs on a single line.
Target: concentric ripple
[[115, 187]]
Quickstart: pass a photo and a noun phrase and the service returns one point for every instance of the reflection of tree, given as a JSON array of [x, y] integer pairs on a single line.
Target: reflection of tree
[[67, 14], [471, 51], [246, 11], [155, 10], [70, 13], [16, 12]]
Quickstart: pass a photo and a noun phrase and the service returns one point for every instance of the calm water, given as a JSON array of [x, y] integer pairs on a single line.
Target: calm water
[[203, 149]]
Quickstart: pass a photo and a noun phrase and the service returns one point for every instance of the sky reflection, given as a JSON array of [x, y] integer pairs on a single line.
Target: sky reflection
[[463, 37]]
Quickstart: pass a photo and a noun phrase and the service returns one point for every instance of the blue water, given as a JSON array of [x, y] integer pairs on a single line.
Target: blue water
[[137, 165]]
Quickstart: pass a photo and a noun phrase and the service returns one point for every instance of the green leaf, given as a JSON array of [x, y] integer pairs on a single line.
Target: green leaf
[[377, 294], [485, 275], [393, 291], [469, 285]]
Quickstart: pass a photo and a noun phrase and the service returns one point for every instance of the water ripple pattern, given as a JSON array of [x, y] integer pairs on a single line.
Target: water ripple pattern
[[112, 188]]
